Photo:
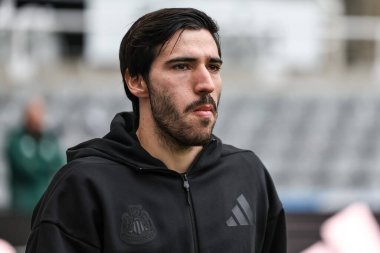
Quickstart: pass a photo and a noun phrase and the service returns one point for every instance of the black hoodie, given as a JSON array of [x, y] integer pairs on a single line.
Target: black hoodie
[[113, 197]]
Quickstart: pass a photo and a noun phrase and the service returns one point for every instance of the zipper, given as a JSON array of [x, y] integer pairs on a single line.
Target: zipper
[[186, 186]]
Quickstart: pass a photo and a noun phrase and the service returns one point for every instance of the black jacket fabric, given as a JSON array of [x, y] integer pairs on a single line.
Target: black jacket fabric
[[114, 197]]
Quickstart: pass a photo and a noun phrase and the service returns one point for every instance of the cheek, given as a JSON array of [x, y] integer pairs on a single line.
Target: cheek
[[217, 79], [217, 92], [218, 82], [168, 96]]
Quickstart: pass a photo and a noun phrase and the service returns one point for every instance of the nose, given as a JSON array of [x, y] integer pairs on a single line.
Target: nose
[[203, 81]]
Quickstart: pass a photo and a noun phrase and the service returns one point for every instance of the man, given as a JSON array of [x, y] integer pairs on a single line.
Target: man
[[33, 155], [160, 181]]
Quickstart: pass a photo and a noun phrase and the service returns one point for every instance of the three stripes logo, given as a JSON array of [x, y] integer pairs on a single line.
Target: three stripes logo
[[241, 214]]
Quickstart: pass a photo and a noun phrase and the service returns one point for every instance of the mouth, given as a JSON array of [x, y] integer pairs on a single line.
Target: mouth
[[204, 104], [206, 110], [205, 107]]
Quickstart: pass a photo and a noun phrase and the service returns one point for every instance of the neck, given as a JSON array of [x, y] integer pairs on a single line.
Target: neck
[[175, 156]]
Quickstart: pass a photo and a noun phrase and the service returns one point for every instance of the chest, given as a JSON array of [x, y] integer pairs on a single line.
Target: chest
[[183, 213]]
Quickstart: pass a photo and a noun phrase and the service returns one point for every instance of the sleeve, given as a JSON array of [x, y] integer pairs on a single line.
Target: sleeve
[[50, 237], [68, 217], [275, 235], [275, 238]]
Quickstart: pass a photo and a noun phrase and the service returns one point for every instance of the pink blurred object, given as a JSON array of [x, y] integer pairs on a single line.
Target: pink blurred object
[[6, 247], [353, 230], [318, 247]]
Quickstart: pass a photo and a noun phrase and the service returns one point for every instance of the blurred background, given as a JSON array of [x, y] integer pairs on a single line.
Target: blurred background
[[301, 85]]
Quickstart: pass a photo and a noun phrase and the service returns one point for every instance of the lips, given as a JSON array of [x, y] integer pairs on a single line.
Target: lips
[[204, 104], [204, 111], [206, 108]]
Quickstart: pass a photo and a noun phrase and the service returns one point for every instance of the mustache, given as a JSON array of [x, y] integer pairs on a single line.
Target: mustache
[[204, 100]]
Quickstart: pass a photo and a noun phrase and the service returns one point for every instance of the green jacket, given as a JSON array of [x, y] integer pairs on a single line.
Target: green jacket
[[32, 162]]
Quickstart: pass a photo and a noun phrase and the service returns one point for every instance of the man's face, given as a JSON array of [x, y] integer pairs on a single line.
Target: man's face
[[34, 116], [185, 86]]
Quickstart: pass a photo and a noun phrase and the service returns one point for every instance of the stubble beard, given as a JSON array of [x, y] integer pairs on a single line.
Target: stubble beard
[[173, 129]]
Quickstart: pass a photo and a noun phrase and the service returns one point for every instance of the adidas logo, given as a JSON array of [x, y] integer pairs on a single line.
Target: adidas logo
[[241, 213]]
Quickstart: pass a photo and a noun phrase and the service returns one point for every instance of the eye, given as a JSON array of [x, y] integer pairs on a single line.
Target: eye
[[181, 66], [214, 67]]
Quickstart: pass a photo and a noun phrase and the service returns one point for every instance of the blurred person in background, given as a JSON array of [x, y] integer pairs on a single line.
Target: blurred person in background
[[160, 181], [33, 155]]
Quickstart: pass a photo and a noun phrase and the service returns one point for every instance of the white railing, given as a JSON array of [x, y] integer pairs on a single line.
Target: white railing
[[312, 38]]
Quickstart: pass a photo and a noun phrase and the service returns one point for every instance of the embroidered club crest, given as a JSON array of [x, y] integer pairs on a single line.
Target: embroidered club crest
[[137, 226]]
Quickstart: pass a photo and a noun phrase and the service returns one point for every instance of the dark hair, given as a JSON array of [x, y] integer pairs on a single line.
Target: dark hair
[[141, 44]]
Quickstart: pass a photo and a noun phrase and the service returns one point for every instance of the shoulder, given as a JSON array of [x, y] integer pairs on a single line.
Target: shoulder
[[14, 140], [248, 163], [77, 176], [13, 134], [86, 168], [50, 135], [72, 203], [75, 188], [242, 155], [248, 167]]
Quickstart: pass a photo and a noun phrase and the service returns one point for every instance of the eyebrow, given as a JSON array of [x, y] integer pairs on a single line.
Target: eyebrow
[[191, 59]]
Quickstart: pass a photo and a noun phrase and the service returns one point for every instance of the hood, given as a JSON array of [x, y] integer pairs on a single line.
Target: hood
[[121, 145]]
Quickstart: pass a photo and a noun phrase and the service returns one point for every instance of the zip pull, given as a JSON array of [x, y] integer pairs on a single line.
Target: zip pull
[[186, 185]]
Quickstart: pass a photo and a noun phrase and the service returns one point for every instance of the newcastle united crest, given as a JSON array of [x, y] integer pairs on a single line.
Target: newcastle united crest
[[137, 227]]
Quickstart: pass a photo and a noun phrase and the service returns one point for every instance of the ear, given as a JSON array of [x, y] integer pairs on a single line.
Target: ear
[[136, 85]]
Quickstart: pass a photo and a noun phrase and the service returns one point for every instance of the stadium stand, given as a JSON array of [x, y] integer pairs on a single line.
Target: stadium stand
[[322, 151]]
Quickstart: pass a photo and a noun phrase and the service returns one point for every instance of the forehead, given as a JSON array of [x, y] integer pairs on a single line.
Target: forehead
[[190, 43]]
